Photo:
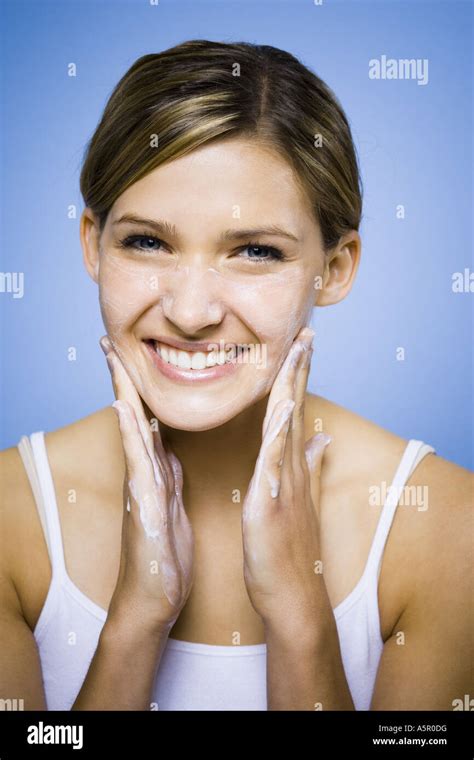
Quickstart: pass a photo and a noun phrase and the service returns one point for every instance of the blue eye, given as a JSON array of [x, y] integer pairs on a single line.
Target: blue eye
[[269, 253], [257, 254], [131, 240]]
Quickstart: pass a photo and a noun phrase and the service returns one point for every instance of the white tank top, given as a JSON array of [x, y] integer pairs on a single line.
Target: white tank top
[[195, 676]]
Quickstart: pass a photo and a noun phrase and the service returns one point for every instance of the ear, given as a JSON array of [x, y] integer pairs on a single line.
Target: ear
[[340, 269], [90, 237]]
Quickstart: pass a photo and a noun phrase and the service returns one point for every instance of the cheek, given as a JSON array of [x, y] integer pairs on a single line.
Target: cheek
[[125, 291], [275, 308]]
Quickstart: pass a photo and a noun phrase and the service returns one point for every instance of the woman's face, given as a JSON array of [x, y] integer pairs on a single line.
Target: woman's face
[[185, 290]]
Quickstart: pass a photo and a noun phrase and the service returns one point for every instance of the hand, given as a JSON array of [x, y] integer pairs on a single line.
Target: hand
[[157, 553], [279, 520]]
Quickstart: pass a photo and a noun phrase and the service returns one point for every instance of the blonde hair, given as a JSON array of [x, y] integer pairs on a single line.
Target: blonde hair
[[200, 91]]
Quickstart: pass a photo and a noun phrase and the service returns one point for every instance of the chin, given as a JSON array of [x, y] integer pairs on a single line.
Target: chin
[[198, 414], [190, 419]]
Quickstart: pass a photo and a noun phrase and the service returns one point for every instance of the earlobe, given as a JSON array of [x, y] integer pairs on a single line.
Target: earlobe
[[89, 234]]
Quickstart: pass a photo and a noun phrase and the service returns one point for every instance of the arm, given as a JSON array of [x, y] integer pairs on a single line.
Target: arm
[[156, 535], [155, 575], [122, 645], [426, 663], [20, 669], [281, 545], [109, 683], [280, 529], [122, 671], [120, 676], [305, 670]]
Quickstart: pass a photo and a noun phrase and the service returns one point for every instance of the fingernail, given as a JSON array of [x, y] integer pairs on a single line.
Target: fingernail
[[105, 344]]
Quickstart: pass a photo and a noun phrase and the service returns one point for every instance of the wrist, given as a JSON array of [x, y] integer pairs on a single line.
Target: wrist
[[129, 624], [124, 642]]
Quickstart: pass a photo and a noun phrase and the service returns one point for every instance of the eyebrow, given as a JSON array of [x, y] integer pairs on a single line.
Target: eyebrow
[[165, 228]]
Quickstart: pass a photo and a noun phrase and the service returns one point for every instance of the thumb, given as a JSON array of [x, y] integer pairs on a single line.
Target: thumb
[[314, 451], [177, 472]]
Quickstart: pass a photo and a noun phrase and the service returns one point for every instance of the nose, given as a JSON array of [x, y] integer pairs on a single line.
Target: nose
[[192, 299]]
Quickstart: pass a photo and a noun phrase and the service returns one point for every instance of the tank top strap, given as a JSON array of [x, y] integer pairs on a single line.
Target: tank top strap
[[414, 452], [35, 459]]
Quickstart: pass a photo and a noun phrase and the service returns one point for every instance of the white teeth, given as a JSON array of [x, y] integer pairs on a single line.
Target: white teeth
[[184, 360], [211, 360], [195, 360], [198, 361]]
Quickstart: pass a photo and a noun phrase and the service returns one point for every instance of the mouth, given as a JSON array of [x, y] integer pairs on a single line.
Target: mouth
[[194, 366]]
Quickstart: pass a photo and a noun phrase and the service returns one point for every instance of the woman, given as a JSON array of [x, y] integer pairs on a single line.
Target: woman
[[192, 549]]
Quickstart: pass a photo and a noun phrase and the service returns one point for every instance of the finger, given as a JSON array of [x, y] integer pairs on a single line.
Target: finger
[[297, 429], [266, 480], [181, 515], [158, 442], [125, 390], [177, 471], [106, 346], [285, 379], [140, 473], [285, 389], [163, 457], [146, 495], [314, 453], [294, 465]]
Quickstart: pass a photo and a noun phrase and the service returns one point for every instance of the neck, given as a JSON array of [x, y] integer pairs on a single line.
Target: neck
[[216, 462]]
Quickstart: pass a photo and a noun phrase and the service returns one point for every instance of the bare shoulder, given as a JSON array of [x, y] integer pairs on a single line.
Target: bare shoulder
[[450, 485], [85, 450], [428, 557], [16, 504], [80, 456], [78, 450], [359, 447], [438, 531], [22, 544]]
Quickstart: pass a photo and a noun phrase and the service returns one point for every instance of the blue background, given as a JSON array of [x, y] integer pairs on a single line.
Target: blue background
[[415, 149]]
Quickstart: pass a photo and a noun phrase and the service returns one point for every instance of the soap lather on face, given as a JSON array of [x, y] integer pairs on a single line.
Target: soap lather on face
[[194, 288]]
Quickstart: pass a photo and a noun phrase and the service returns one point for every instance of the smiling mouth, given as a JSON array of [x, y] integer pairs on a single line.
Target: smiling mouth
[[196, 360]]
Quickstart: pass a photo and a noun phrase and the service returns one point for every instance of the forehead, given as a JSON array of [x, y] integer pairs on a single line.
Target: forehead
[[229, 179]]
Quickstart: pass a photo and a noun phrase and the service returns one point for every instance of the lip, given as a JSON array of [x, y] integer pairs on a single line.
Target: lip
[[187, 376]]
